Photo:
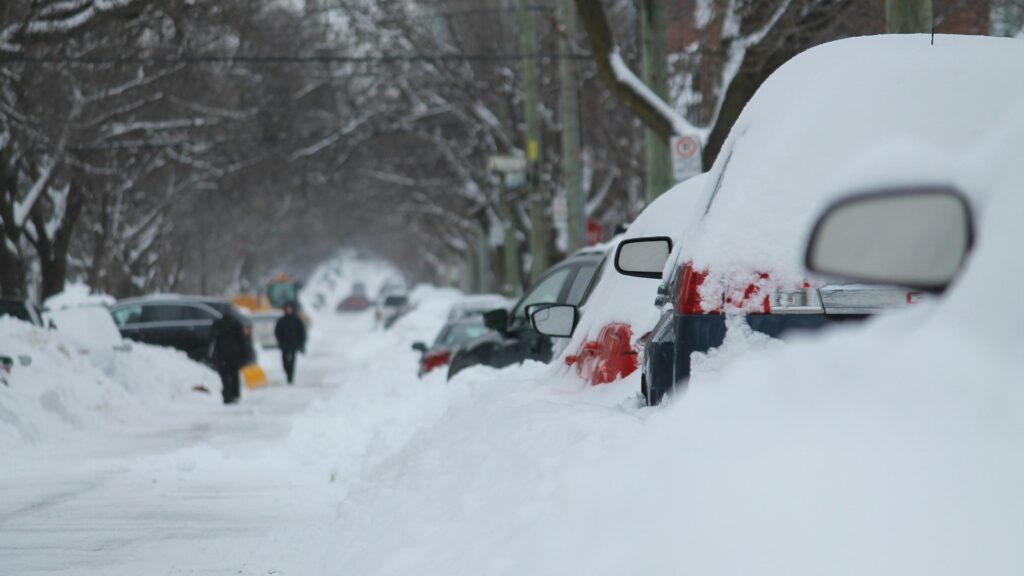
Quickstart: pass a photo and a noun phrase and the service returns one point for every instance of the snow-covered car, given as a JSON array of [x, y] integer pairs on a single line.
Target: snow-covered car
[[22, 309], [610, 329], [91, 329], [454, 334], [477, 305], [511, 338], [354, 303], [811, 133], [392, 307], [178, 321]]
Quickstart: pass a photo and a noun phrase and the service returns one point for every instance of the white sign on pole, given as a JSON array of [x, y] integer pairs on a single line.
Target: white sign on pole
[[507, 163], [687, 157]]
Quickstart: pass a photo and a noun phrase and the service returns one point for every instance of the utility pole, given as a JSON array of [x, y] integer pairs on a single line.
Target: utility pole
[[570, 116], [531, 80], [908, 16], [513, 279], [654, 73], [483, 254]]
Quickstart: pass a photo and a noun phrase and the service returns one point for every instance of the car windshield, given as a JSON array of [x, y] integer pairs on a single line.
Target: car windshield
[[281, 294]]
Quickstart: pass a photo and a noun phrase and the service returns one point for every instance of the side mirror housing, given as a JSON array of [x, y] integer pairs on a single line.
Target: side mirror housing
[[557, 320], [419, 347], [914, 237], [643, 257], [496, 319]]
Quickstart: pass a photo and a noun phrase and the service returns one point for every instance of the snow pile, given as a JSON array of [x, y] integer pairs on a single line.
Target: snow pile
[[812, 128], [61, 393], [77, 294], [380, 404]]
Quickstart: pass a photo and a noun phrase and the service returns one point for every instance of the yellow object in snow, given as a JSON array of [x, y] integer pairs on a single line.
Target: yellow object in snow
[[254, 376]]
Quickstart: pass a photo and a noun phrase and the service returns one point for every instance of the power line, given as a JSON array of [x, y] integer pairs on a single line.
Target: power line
[[287, 59]]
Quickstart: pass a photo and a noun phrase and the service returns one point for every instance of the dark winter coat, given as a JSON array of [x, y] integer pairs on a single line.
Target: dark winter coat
[[229, 343], [290, 333]]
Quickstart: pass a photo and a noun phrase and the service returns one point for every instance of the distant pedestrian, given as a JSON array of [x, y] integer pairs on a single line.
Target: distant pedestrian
[[291, 339], [229, 346]]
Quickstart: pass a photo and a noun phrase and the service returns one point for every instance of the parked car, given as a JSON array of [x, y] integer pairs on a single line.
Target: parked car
[[455, 333], [477, 305], [181, 322], [511, 339], [355, 302], [391, 307], [22, 309], [618, 316], [92, 330], [809, 135]]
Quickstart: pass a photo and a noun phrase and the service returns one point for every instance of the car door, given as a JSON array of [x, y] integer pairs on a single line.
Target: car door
[[197, 321], [553, 288]]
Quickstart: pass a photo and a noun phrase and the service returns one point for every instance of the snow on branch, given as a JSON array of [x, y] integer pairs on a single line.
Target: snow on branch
[[626, 76]]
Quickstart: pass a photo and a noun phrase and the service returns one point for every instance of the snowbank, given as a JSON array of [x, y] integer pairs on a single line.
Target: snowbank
[[811, 129], [62, 394]]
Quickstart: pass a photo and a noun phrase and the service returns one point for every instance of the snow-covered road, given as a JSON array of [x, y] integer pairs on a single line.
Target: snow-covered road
[[202, 491], [796, 458]]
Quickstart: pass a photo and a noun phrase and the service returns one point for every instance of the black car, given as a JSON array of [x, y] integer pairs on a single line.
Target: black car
[[181, 322], [453, 335], [511, 338], [22, 309]]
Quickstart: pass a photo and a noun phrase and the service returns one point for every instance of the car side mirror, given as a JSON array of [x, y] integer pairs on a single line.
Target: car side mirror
[[643, 257], [557, 320], [496, 319], [913, 237], [419, 347]]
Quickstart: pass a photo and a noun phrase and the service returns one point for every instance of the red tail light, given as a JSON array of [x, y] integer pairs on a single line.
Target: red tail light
[[689, 291], [436, 360], [247, 330], [754, 299]]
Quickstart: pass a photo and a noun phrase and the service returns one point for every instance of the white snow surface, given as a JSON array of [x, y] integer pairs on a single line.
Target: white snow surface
[[887, 447], [842, 117]]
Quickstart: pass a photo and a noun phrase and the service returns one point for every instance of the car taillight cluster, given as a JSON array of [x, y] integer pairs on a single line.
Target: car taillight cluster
[[804, 300], [247, 330], [436, 360]]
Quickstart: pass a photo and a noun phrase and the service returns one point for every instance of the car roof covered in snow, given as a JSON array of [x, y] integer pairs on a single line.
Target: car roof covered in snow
[[619, 298], [846, 116]]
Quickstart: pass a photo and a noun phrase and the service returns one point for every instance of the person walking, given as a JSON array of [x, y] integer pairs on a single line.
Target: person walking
[[228, 354], [291, 338]]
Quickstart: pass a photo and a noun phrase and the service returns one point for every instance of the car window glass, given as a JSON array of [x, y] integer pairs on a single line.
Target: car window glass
[[196, 313], [127, 315], [163, 313], [546, 292], [580, 284]]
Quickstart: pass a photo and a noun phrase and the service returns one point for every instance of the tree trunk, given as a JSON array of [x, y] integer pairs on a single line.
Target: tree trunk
[[908, 16]]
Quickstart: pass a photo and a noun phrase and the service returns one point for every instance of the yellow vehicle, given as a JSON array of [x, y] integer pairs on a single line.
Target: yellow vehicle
[[281, 290]]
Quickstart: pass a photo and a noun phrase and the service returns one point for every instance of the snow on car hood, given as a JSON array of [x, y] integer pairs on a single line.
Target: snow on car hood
[[799, 141]]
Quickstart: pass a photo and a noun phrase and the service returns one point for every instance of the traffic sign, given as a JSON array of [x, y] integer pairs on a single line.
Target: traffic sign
[[687, 159]]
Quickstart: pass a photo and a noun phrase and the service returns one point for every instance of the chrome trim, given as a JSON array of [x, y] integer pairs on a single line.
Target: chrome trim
[[865, 298]]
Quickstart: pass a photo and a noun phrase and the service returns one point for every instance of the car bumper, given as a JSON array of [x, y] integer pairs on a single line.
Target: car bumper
[[669, 352]]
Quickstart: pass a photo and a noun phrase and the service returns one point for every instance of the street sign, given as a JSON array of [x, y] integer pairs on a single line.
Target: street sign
[[595, 232], [506, 163], [687, 159]]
